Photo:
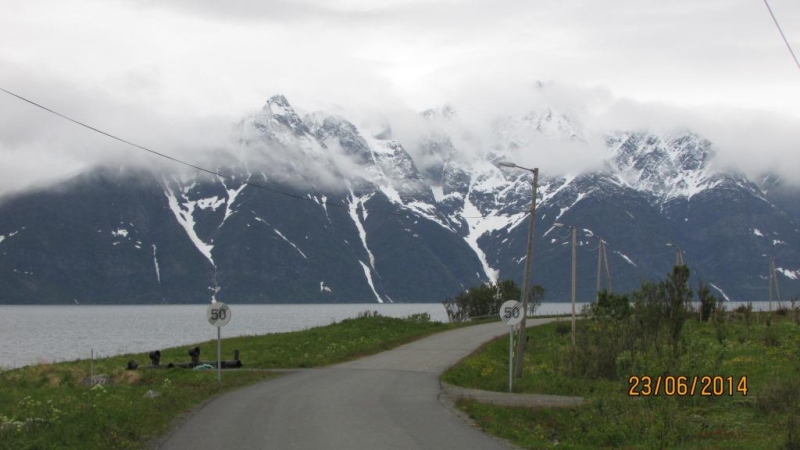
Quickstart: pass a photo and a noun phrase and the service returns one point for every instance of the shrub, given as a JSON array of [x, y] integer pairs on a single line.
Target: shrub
[[745, 312], [779, 396], [708, 303], [613, 305], [619, 331], [368, 314], [419, 318], [563, 328], [480, 301]]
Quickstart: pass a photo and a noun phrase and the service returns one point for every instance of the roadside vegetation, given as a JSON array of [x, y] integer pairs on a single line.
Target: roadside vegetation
[[483, 301], [51, 406], [653, 332]]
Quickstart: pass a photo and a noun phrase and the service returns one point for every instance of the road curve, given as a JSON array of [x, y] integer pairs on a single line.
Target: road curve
[[386, 401]]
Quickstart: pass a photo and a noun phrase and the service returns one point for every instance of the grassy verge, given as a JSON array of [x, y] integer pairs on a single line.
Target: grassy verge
[[46, 406], [766, 352]]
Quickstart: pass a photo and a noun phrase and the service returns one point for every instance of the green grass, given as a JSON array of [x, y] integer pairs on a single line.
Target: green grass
[[46, 407], [767, 418]]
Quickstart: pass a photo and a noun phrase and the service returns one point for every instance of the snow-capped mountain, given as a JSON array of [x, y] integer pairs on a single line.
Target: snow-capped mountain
[[313, 209]]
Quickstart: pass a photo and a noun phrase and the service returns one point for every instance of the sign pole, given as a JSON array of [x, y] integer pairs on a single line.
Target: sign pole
[[511, 313], [219, 354], [218, 315], [510, 357]]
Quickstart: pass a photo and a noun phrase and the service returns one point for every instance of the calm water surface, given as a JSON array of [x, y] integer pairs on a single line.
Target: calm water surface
[[39, 334]]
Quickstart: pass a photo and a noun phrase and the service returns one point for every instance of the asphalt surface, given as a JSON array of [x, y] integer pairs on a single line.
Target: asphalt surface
[[387, 401]]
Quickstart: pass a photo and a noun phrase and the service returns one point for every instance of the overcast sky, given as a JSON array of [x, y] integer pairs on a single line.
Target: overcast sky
[[173, 74]]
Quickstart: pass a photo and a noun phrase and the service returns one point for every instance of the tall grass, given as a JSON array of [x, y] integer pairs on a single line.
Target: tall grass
[[47, 406]]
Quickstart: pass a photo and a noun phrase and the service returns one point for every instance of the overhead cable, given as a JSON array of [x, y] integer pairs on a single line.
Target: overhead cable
[[786, 41]]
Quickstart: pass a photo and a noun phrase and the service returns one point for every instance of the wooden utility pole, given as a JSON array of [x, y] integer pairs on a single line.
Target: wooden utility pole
[[573, 283], [526, 283], [602, 259], [773, 280]]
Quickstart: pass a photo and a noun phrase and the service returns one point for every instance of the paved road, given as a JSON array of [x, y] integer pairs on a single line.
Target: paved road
[[386, 401]]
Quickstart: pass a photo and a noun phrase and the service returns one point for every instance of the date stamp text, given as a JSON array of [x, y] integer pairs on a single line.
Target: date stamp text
[[683, 386]]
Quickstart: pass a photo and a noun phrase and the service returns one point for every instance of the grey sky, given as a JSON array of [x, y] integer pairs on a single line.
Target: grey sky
[[173, 73]]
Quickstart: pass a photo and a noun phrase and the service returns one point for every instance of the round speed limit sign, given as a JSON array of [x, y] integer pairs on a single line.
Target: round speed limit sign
[[218, 314], [511, 312]]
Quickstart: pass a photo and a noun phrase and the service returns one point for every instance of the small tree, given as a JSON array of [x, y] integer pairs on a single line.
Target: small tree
[[708, 303], [536, 298], [617, 306], [678, 298], [480, 301]]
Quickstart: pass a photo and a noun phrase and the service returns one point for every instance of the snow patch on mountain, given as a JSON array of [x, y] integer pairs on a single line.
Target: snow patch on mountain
[[514, 132], [626, 258], [666, 167], [12, 234], [155, 263], [724, 295], [290, 242], [552, 188], [211, 203], [791, 274], [232, 194], [580, 197], [422, 209], [186, 219], [353, 205], [478, 225], [368, 275], [324, 203], [438, 193]]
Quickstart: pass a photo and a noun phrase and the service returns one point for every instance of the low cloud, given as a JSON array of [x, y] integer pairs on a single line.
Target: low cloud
[[38, 147], [748, 140]]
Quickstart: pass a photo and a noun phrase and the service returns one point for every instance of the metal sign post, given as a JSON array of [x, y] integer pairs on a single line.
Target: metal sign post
[[218, 314], [511, 315]]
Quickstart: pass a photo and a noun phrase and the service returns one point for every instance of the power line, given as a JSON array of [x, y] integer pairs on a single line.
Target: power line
[[786, 41]]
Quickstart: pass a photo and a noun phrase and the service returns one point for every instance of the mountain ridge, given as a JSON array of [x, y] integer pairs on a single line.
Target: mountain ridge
[[367, 219]]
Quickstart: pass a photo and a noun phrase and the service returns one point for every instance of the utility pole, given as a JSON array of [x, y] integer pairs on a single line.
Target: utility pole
[[573, 285], [773, 280], [572, 230], [599, 262], [602, 258], [526, 285], [678, 253]]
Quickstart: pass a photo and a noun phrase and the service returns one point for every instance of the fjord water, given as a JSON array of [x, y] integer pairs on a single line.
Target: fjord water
[[44, 334]]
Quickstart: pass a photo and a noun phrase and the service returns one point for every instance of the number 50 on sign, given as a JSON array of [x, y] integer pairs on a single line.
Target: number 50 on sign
[[511, 312], [218, 314]]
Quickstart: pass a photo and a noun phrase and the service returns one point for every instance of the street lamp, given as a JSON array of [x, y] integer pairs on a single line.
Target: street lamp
[[572, 230], [678, 253], [526, 287]]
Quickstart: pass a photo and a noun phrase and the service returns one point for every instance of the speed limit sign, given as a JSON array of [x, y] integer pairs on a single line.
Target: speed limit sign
[[511, 312], [218, 314]]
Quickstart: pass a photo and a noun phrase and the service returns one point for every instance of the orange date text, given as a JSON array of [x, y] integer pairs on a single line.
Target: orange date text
[[683, 386]]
